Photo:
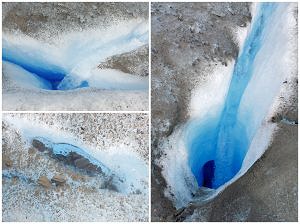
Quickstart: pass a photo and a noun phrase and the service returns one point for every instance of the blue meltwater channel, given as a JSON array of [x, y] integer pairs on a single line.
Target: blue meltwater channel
[[69, 67], [217, 146]]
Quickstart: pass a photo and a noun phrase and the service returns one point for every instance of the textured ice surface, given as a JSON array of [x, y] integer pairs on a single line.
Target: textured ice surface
[[21, 77]]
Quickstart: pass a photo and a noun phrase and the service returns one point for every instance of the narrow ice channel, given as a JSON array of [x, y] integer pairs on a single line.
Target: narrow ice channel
[[72, 61], [218, 145]]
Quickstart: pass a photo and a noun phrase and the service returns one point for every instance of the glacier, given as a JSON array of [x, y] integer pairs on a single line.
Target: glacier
[[71, 62]]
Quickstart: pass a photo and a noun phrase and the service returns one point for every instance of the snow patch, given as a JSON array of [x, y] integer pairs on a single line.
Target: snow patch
[[21, 77]]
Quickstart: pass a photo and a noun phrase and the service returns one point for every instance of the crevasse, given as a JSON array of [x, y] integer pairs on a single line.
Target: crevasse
[[217, 145], [72, 62]]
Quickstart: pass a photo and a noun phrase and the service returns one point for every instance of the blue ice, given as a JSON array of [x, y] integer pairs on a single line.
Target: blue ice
[[217, 145], [69, 67]]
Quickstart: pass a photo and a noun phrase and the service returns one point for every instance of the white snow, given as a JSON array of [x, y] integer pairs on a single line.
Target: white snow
[[175, 169], [83, 99], [21, 77], [115, 79], [207, 98]]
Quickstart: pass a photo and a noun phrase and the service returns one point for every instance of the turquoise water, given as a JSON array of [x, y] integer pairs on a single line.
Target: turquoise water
[[217, 146]]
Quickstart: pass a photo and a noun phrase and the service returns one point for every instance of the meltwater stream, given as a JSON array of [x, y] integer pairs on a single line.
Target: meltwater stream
[[73, 62], [217, 145]]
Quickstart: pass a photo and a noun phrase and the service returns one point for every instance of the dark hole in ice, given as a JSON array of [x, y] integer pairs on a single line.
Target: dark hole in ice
[[208, 173]]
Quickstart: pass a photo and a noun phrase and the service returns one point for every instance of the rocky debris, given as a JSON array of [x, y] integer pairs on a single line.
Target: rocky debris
[[44, 181], [77, 177], [276, 118], [93, 168], [72, 158], [101, 130], [182, 213], [7, 161], [58, 179], [218, 13], [81, 162], [242, 24], [32, 151], [44, 20], [39, 145], [284, 119], [135, 62], [108, 184]]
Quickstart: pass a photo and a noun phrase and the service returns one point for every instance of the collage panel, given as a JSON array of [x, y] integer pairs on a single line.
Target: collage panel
[[224, 111], [82, 56], [75, 167]]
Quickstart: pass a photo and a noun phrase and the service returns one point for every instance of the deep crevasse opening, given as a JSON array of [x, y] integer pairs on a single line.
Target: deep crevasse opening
[[237, 122], [217, 145], [72, 62]]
